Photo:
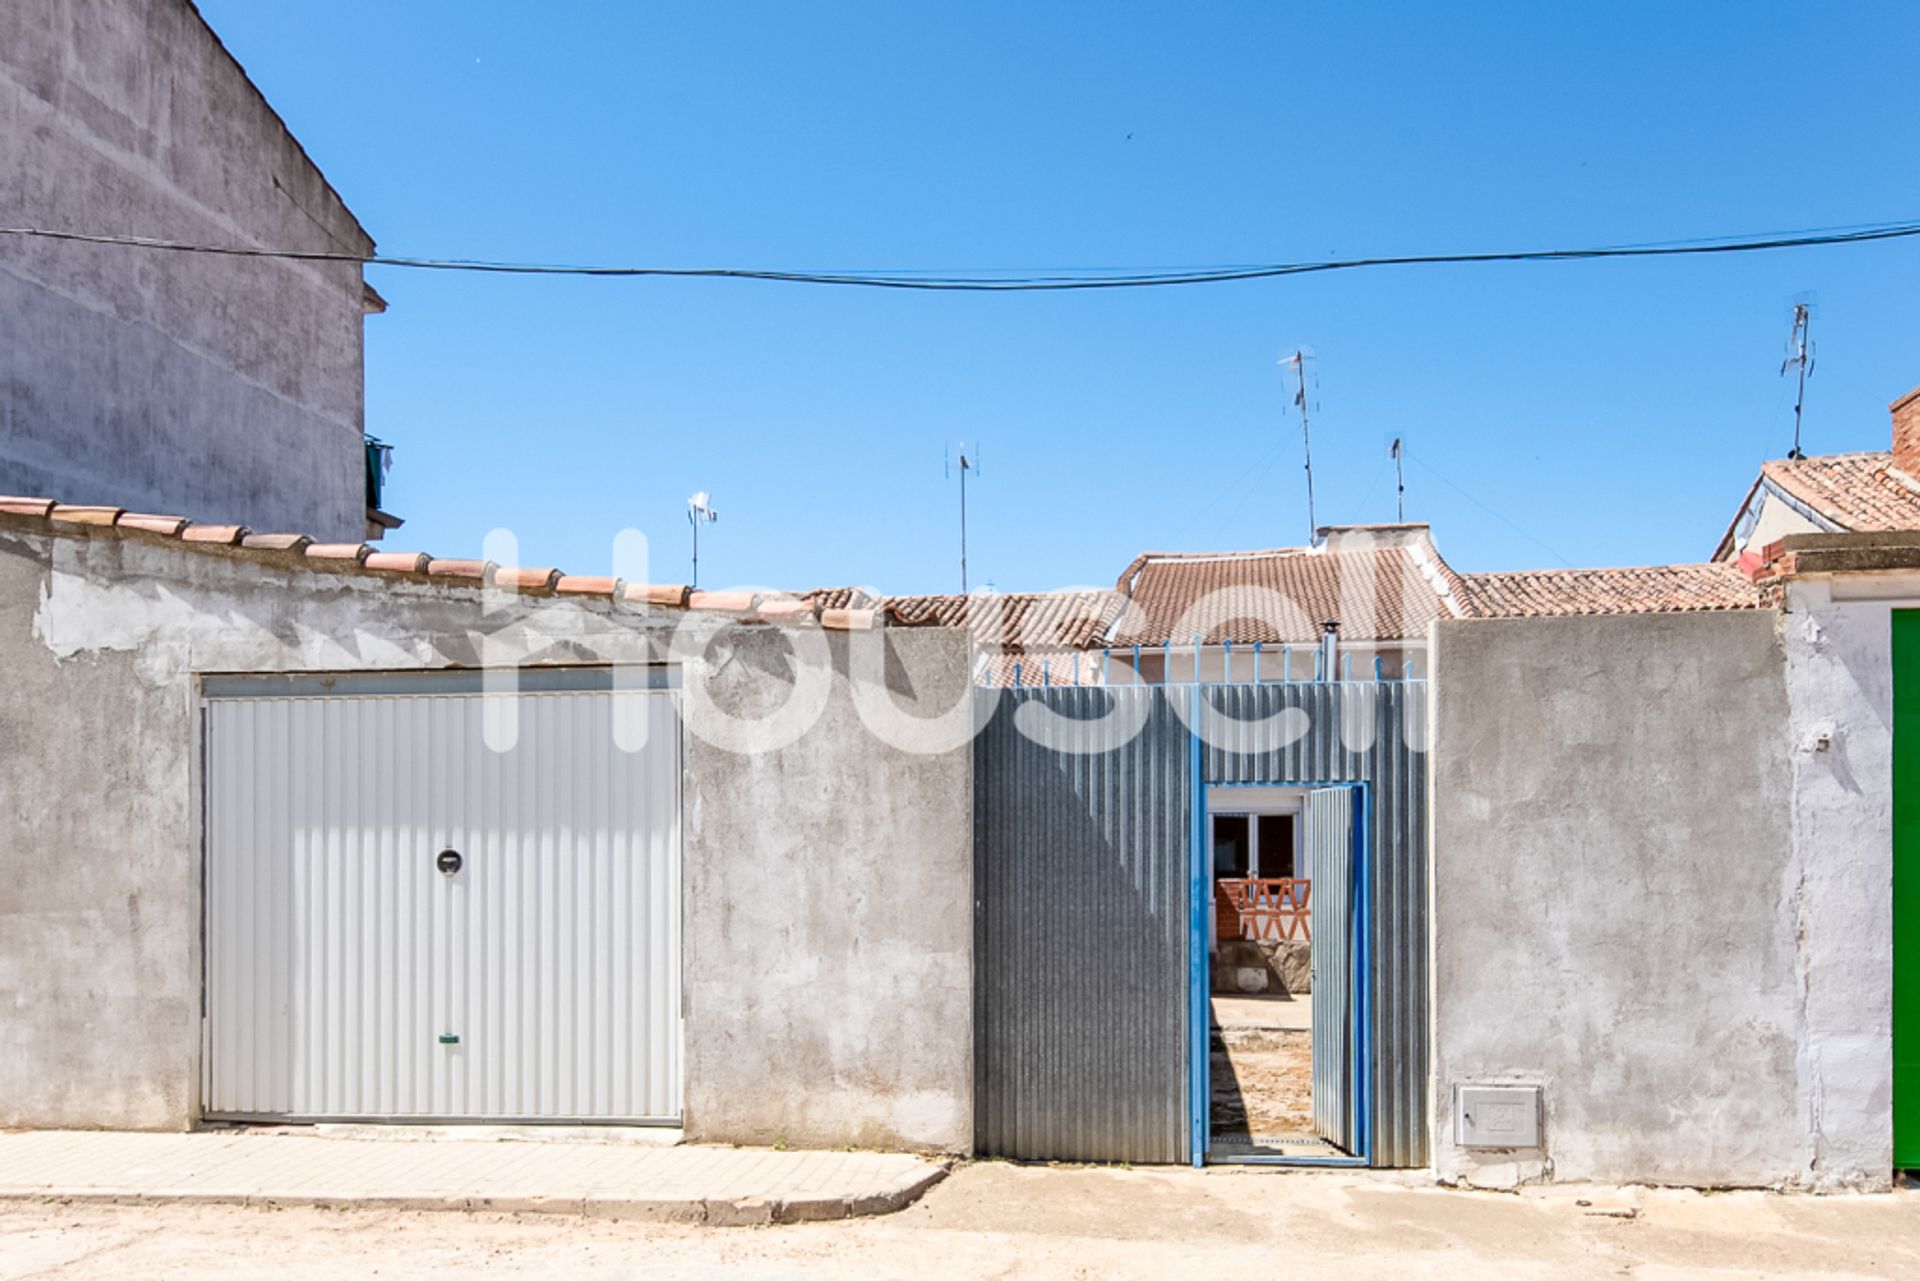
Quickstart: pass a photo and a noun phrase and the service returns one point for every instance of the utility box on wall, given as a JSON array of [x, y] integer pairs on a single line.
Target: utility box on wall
[[1497, 1116]]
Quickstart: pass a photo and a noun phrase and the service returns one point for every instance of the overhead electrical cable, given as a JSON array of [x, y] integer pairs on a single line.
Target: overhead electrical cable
[[988, 281]]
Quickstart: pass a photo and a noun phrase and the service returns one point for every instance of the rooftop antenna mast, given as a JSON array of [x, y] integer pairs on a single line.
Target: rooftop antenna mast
[[1398, 452], [1298, 363], [1799, 356], [699, 512], [969, 462]]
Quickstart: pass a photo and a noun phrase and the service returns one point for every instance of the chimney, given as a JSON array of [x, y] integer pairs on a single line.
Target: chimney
[[1329, 651], [1906, 432]]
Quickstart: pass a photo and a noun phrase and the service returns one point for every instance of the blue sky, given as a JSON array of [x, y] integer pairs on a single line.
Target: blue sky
[[1603, 413]]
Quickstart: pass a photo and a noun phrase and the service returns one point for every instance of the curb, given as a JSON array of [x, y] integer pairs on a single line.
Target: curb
[[722, 1213]]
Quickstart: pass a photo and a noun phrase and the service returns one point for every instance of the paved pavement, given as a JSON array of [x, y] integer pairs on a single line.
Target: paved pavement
[[1013, 1223], [710, 1185]]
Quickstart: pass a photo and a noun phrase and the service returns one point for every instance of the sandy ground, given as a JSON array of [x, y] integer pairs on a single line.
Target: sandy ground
[[997, 1220], [1262, 1084]]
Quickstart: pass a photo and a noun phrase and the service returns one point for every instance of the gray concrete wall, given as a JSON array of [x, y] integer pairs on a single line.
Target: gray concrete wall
[[830, 921], [223, 389], [1838, 633], [828, 936], [1614, 897]]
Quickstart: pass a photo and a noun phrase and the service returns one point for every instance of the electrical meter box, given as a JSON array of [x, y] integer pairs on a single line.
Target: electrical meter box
[[1497, 1116]]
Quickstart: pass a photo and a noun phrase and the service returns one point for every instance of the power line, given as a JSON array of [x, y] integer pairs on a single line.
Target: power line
[[988, 281], [1515, 526]]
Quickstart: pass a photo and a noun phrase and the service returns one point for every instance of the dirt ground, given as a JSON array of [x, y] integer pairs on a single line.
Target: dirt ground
[[998, 1220], [1262, 1084]]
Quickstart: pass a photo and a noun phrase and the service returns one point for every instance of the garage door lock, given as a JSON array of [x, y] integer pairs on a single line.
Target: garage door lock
[[448, 861]]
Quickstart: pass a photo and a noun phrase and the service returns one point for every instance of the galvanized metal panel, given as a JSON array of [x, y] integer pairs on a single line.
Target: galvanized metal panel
[[338, 957], [1372, 733], [1081, 930], [1329, 837]]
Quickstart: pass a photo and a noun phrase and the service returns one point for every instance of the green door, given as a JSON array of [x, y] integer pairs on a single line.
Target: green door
[[1906, 889]]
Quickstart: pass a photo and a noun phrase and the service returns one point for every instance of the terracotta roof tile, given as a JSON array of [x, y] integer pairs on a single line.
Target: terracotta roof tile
[[1283, 596], [1649, 589], [86, 515], [17, 506], [838, 598], [397, 562], [586, 585], [355, 552], [1861, 493], [225, 535], [476, 571], [670, 595], [276, 542], [1014, 620], [856, 610], [528, 582], [792, 611], [850, 620], [724, 602], [165, 526]]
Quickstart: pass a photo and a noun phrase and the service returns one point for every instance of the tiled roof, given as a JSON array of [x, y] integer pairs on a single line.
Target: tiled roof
[[1861, 493], [838, 598], [1284, 596], [1649, 589], [1029, 621], [362, 558]]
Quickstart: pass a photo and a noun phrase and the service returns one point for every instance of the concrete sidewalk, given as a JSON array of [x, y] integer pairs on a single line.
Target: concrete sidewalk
[[605, 1179]]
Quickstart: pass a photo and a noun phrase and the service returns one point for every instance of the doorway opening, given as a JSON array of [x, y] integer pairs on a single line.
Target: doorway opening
[[1283, 1083]]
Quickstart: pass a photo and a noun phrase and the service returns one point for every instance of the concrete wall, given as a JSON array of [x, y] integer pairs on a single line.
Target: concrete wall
[[1838, 634], [828, 929], [830, 921], [1616, 898], [219, 388]]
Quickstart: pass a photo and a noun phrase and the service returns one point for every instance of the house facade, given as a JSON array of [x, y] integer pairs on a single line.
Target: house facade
[[1629, 855], [1833, 493], [231, 388]]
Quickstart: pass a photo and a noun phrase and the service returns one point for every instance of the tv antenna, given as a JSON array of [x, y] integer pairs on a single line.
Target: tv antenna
[[1397, 451], [1799, 356], [699, 512], [1297, 362], [969, 462]]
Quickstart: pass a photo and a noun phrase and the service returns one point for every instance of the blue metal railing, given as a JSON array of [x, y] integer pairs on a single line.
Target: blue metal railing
[[1041, 672]]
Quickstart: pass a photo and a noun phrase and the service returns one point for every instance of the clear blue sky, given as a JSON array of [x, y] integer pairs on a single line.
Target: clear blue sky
[[1608, 413]]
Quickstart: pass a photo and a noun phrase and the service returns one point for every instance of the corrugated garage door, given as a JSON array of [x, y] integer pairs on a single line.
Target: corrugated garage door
[[352, 972]]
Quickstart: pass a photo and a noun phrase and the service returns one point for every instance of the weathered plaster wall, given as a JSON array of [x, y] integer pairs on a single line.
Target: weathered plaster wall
[[1615, 897], [828, 930], [220, 388], [1838, 635], [830, 922]]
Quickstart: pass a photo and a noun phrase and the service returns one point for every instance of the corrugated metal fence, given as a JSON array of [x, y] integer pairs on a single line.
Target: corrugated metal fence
[[1081, 914], [1082, 909]]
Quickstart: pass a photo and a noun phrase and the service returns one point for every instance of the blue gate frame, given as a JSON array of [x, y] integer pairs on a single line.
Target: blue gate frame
[[1199, 1009], [1074, 1070]]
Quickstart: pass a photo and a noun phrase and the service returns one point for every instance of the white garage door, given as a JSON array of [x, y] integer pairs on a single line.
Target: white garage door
[[405, 923]]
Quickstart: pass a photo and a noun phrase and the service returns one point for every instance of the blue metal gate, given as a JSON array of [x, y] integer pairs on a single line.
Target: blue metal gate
[[1090, 885], [1330, 836]]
